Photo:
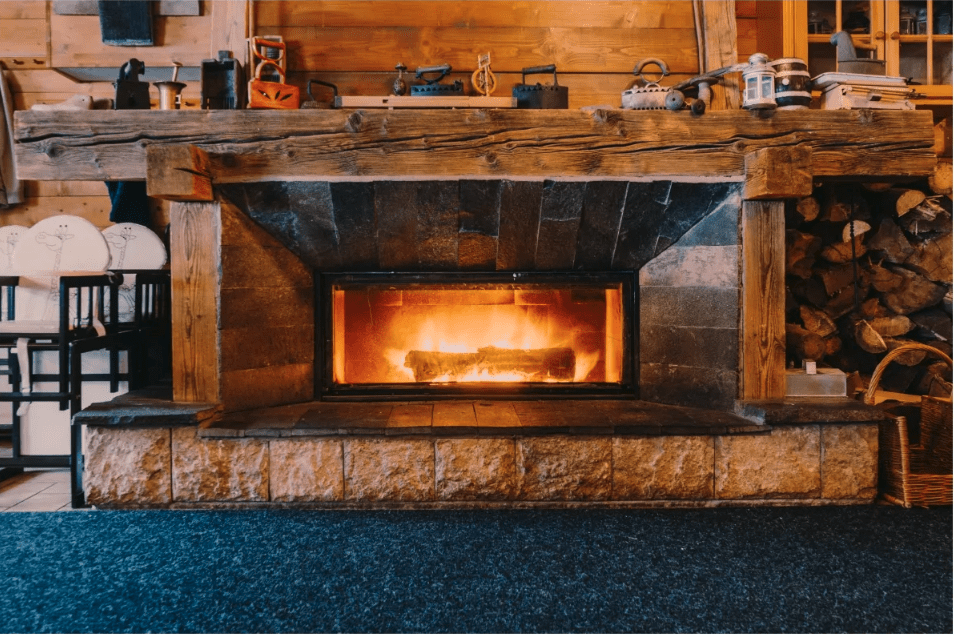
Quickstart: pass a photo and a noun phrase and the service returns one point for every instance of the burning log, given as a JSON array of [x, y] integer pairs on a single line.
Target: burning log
[[537, 364]]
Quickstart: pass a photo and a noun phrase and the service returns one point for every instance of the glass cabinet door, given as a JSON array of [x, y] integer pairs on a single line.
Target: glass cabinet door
[[919, 42], [863, 20]]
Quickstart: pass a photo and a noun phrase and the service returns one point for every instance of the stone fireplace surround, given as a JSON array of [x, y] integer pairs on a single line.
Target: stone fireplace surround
[[687, 236]]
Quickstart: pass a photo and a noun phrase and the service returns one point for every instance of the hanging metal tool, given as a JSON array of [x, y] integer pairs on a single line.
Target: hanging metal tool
[[650, 95]]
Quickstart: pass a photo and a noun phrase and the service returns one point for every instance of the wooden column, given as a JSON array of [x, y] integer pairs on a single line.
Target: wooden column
[[721, 50], [195, 256], [763, 300]]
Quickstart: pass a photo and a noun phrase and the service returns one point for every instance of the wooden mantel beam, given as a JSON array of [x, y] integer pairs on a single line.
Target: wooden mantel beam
[[251, 145]]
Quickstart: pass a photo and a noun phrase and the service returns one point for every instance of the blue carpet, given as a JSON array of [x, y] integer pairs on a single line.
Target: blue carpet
[[855, 569]]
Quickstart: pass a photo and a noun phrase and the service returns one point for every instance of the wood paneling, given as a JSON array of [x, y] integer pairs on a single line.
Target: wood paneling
[[22, 38], [635, 14], [23, 10]]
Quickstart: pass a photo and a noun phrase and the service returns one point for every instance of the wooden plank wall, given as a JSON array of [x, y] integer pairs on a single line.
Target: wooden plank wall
[[595, 46]]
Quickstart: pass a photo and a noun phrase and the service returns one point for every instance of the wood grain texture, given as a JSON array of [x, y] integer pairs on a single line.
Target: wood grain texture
[[230, 29], [721, 50], [763, 300], [633, 14], [777, 173], [249, 146], [196, 282], [23, 38], [178, 172]]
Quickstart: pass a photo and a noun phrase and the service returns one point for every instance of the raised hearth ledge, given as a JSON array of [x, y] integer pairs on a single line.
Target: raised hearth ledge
[[179, 467]]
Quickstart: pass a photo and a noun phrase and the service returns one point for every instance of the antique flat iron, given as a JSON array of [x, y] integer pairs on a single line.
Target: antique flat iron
[[271, 94]]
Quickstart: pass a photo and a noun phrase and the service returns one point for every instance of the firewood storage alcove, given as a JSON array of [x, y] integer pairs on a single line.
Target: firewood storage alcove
[[273, 206]]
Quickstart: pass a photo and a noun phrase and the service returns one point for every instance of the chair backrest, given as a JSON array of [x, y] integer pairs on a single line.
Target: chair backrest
[[9, 237], [134, 246], [131, 247], [59, 243]]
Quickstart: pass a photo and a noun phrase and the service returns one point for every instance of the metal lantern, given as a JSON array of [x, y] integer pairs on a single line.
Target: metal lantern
[[759, 80]]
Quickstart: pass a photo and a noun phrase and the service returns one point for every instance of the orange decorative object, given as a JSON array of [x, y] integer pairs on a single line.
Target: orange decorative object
[[272, 95]]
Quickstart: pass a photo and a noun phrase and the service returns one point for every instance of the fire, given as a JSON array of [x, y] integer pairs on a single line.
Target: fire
[[478, 336]]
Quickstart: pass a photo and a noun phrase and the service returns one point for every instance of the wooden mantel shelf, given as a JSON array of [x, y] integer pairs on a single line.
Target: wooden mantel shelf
[[248, 146]]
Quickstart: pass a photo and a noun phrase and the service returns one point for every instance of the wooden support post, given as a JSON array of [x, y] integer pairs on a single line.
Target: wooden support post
[[763, 300], [179, 172], [195, 246], [778, 173], [721, 50]]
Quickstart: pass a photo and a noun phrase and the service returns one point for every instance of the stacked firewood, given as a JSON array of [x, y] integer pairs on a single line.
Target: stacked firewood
[[868, 268]]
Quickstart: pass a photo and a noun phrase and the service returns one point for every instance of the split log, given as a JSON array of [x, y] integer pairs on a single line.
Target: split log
[[817, 321], [854, 228], [892, 326], [833, 209], [941, 181], [843, 302], [905, 200], [911, 292], [800, 252], [802, 344], [554, 363], [932, 258], [867, 338], [808, 208], [891, 242], [811, 290], [907, 358], [933, 323], [833, 345], [839, 253], [837, 278], [872, 308]]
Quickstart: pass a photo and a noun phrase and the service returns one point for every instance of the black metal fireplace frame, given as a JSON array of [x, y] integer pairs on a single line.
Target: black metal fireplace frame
[[326, 389]]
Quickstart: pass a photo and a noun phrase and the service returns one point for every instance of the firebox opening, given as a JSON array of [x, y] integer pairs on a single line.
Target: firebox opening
[[485, 333]]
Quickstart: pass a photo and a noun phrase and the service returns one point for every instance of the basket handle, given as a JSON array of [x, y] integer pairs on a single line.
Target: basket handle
[[891, 356]]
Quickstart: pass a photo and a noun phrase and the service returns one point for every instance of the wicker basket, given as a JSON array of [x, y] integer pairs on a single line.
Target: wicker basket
[[915, 474]]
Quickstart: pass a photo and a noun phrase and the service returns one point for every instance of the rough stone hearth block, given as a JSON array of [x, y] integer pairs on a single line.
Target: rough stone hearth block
[[783, 464], [305, 470], [224, 470], [127, 467], [564, 468], [389, 469], [849, 462], [475, 469], [648, 468]]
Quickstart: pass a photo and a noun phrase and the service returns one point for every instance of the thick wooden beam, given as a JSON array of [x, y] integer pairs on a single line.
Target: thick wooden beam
[[179, 172], [195, 255], [247, 145], [778, 173], [763, 300]]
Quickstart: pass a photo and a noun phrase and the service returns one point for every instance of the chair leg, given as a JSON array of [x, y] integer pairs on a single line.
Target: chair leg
[[77, 495]]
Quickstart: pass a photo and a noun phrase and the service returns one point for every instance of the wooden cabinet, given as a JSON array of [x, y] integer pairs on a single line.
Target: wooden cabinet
[[914, 38]]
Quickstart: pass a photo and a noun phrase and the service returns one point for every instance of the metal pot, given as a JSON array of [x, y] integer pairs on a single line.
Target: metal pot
[[540, 96]]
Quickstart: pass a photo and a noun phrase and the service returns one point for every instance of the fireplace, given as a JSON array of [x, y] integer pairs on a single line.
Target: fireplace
[[438, 334]]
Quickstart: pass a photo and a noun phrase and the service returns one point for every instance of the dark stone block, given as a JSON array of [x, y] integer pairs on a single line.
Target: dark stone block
[[556, 245], [437, 224], [480, 207], [395, 213], [644, 210], [603, 205], [720, 227], [688, 204], [353, 205], [562, 200], [707, 307], [476, 252], [659, 214], [807, 410], [689, 346], [688, 386], [519, 224]]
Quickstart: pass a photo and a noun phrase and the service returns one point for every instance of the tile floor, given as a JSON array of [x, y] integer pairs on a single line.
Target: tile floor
[[36, 490]]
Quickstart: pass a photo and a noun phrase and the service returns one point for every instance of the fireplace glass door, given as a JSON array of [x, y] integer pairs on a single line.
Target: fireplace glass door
[[488, 333]]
